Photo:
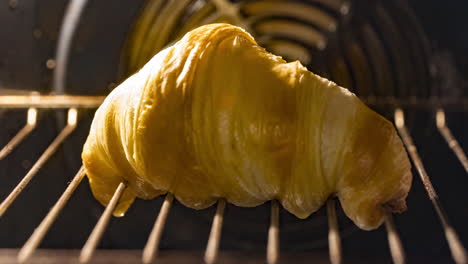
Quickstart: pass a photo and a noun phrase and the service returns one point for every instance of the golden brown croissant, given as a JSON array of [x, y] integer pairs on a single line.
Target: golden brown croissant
[[216, 116]]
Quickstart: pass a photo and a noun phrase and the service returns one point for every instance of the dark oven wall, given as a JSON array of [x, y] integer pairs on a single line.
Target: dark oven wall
[[29, 36]]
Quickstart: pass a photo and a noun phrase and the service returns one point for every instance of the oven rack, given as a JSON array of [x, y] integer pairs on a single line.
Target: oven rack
[[73, 103], [109, 256]]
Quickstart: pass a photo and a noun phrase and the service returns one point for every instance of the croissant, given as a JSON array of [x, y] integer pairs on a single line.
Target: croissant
[[216, 116]]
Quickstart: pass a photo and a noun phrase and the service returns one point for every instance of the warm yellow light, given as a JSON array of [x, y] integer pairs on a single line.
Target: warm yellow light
[[32, 116], [72, 116]]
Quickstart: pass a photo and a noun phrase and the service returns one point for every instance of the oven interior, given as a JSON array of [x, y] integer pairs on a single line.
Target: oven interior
[[406, 59]]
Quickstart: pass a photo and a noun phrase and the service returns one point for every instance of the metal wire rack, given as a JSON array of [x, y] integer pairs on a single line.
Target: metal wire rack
[[35, 103]]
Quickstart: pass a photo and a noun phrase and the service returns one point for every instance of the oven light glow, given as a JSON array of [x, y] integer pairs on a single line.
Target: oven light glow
[[32, 116], [72, 116], [399, 118]]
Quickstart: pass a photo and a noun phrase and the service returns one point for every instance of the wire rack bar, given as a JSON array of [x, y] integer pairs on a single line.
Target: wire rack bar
[[334, 240], [35, 239], [450, 139], [85, 101], [152, 245], [456, 247], [273, 234], [50, 101], [394, 242], [212, 247], [93, 239], [22, 134], [71, 125]]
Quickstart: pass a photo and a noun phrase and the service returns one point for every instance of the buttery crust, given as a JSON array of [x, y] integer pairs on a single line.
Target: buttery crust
[[215, 115]]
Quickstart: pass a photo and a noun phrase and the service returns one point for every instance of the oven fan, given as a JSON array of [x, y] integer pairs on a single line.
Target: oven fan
[[374, 48]]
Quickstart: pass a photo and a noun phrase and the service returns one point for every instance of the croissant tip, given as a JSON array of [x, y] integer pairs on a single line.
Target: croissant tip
[[397, 206]]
